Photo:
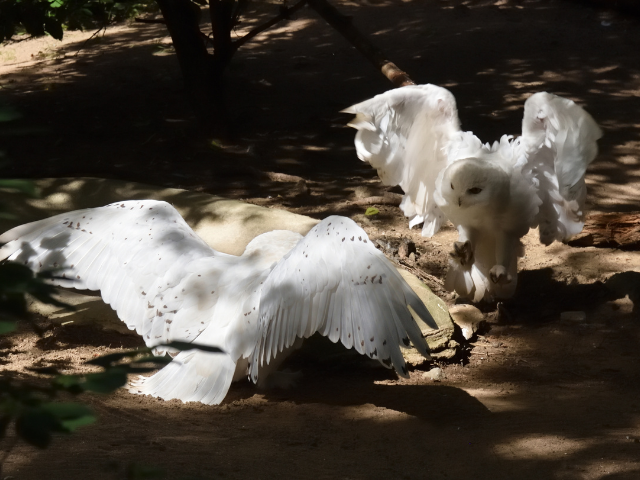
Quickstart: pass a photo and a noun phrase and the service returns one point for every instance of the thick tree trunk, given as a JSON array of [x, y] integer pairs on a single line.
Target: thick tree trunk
[[220, 13], [202, 72]]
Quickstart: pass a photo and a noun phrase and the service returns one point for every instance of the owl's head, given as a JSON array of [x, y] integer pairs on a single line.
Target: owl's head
[[472, 182]]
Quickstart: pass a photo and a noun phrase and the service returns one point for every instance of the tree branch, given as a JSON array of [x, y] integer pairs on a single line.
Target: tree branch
[[285, 13], [344, 26]]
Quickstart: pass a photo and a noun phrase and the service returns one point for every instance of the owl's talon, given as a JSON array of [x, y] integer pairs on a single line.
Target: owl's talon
[[498, 274], [462, 253]]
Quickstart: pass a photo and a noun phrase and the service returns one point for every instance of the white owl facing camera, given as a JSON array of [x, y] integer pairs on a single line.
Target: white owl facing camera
[[492, 194]]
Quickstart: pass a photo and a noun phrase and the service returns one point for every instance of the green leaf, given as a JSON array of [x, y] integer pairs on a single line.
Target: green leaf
[[36, 423], [53, 27], [14, 277], [74, 424], [69, 416], [25, 186], [5, 215], [105, 382], [34, 426], [7, 327], [371, 211], [8, 113], [4, 423], [137, 471], [69, 382], [32, 19]]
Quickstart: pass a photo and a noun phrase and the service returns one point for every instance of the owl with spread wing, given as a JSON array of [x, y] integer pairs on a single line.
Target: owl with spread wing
[[168, 285], [492, 193]]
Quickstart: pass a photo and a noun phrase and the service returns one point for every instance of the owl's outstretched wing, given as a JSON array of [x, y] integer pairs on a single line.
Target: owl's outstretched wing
[[335, 282], [139, 254], [405, 134], [151, 267], [559, 140]]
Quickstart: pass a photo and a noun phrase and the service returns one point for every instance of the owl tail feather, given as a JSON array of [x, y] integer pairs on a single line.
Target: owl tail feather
[[192, 376]]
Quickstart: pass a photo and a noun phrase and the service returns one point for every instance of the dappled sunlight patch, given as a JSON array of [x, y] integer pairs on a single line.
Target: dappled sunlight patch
[[628, 160], [541, 447], [315, 148], [624, 469], [370, 412], [498, 401], [286, 30], [631, 145], [56, 200], [30, 52]]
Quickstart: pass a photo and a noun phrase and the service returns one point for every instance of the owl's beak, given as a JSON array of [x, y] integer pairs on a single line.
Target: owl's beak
[[459, 201]]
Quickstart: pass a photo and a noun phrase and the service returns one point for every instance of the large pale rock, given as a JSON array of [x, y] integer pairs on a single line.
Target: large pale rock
[[226, 225], [440, 341]]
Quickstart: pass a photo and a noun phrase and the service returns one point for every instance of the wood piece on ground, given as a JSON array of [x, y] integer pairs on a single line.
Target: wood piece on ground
[[609, 230]]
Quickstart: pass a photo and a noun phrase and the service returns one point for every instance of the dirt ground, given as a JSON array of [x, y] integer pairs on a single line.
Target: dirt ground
[[534, 397]]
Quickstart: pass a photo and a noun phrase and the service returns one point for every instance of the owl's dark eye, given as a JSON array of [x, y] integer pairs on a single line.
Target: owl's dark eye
[[452, 187], [474, 190]]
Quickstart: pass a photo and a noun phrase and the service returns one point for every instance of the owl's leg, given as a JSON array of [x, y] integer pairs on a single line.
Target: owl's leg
[[462, 249], [462, 253], [499, 274], [506, 256]]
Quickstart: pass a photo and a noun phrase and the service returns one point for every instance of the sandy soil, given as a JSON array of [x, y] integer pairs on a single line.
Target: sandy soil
[[535, 397]]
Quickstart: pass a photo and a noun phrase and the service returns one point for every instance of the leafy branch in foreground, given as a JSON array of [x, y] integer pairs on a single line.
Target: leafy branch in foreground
[[36, 414], [34, 407], [37, 17], [17, 280]]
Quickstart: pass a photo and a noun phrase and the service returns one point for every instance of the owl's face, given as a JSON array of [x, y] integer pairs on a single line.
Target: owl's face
[[472, 184]]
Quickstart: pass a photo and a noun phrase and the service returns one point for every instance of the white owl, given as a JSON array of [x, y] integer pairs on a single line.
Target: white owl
[[168, 284], [494, 193]]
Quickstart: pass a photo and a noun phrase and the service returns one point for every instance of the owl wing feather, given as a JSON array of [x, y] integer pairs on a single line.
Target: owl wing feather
[[559, 140], [167, 284], [405, 134], [335, 282], [159, 276]]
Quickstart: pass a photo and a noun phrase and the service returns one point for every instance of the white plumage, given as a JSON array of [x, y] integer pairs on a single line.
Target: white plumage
[[494, 193], [168, 284]]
